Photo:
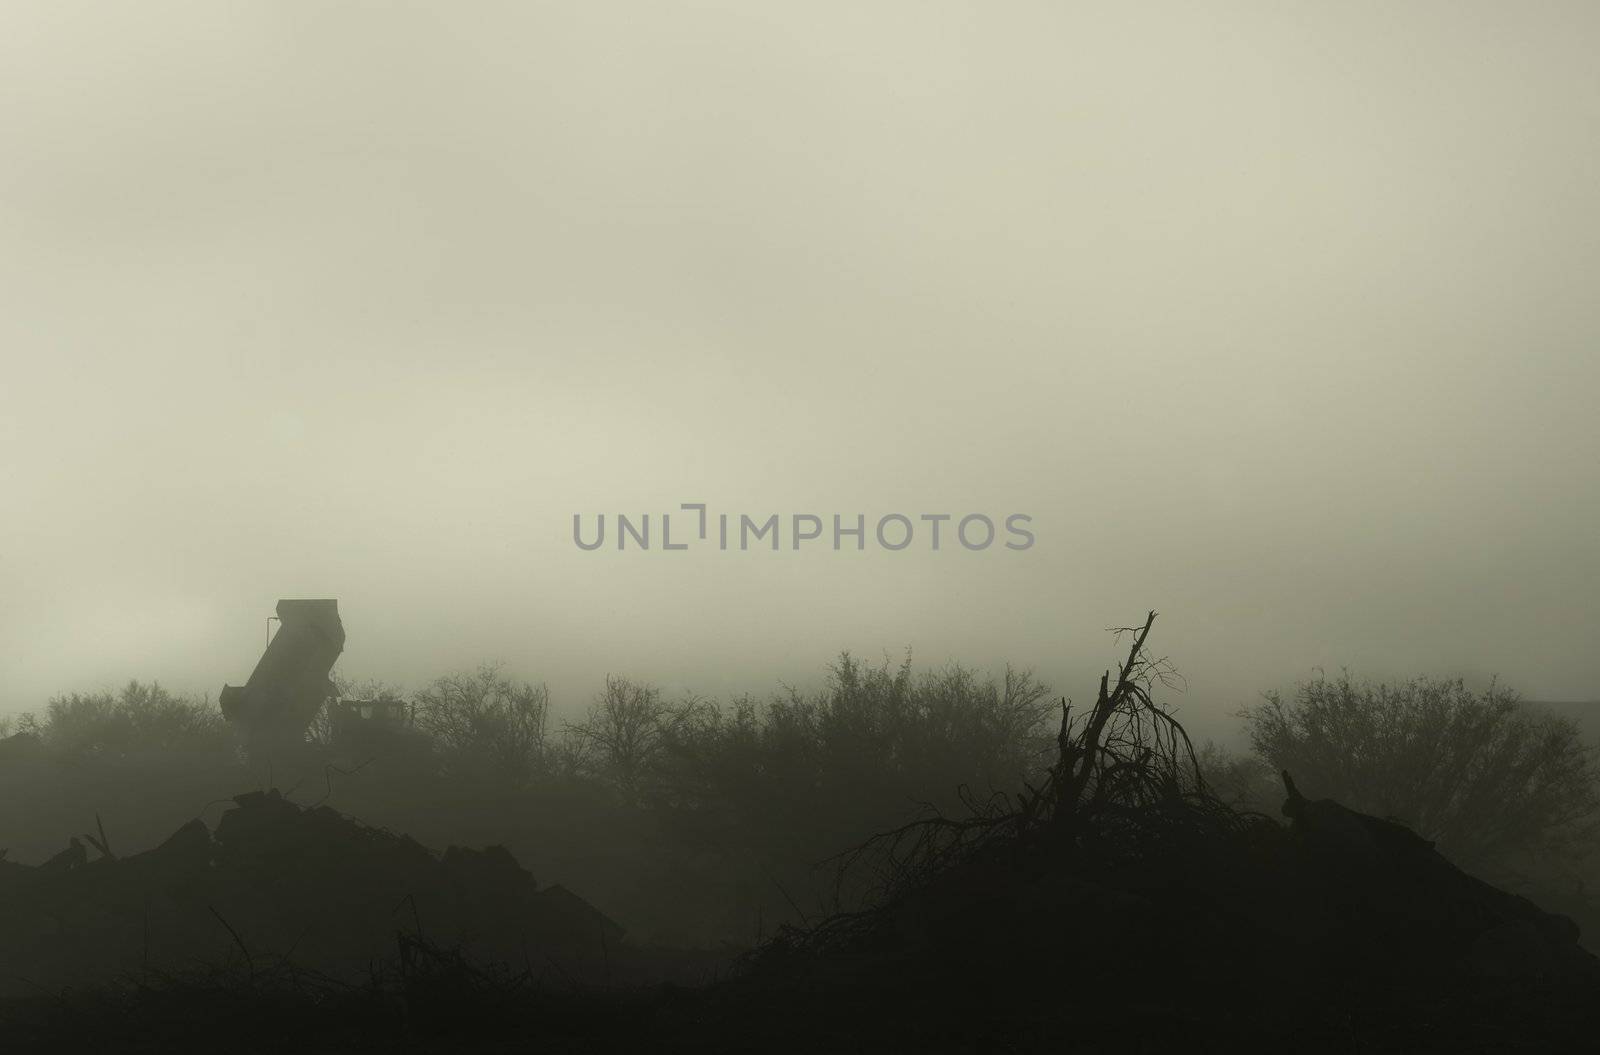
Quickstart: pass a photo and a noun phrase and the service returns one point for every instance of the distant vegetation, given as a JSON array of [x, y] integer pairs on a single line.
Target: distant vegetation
[[140, 718], [1490, 780], [689, 820], [1506, 790], [692, 820]]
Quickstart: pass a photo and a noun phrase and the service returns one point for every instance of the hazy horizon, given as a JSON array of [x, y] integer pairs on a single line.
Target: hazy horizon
[[1279, 321]]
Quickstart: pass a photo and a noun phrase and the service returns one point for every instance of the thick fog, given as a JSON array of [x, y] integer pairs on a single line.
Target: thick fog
[[1278, 319]]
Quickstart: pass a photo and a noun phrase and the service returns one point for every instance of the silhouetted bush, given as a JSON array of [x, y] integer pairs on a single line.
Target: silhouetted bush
[[871, 733], [139, 718], [1481, 774], [945, 723], [776, 787], [620, 738], [1243, 781], [486, 723]]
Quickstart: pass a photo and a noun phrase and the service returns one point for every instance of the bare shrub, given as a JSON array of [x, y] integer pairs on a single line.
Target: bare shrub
[[140, 717], [787, 781], [1243, 781], [946, 727], [622, 733], [1480, 773], [486, 723]]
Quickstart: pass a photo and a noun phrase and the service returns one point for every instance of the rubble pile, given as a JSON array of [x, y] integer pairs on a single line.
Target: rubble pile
[[275, 880], [1159, 931]]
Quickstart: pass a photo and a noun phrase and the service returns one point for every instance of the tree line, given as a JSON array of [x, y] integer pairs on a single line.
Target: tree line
[[736, 800]]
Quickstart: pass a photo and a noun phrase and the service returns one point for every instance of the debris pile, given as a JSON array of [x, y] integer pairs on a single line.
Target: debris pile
[[1120, 906], [274, 881]]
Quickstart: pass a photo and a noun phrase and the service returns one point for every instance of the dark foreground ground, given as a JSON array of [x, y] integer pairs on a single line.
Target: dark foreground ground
[[1171, 927]]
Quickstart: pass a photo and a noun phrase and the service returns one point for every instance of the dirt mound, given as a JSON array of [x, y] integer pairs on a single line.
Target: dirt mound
[[1258, 938], [279, 880], [1166, 933]]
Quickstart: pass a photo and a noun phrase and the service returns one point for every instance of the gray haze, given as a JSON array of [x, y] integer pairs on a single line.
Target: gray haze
[[1278, 318]]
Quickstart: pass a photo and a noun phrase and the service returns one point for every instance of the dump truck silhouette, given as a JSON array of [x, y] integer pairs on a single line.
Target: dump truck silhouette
[[290, 684], [291, 687]]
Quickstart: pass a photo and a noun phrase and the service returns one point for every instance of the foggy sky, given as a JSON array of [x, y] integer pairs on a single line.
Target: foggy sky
[[1276, 318]]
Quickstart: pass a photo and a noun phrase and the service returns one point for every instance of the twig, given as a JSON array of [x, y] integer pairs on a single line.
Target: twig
[[249, 961]]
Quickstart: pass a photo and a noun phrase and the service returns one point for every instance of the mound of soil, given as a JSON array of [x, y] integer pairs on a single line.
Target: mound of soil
[[1161, 931], [278, 880]]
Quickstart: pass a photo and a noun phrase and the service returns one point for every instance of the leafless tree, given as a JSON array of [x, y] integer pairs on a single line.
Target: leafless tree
[[485, 720], [622, 732], [1480, 773]]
